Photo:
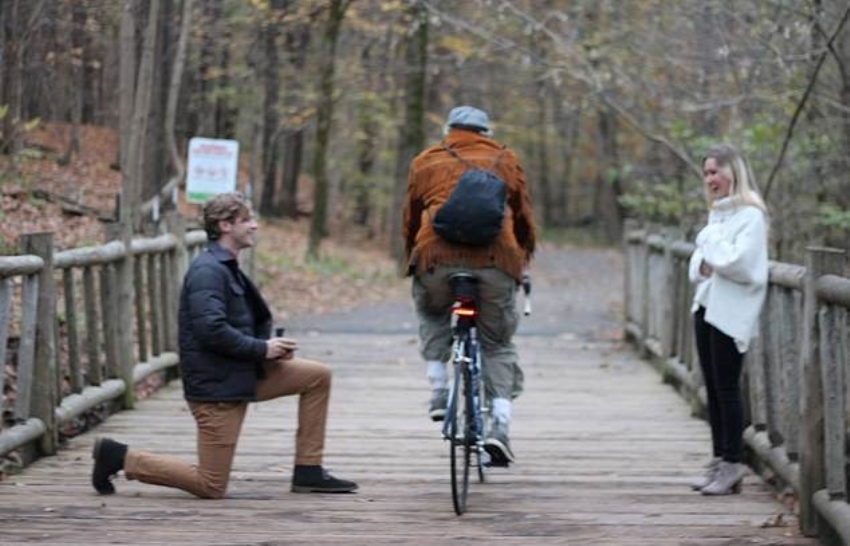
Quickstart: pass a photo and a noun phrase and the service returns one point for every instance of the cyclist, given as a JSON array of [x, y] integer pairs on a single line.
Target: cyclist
[[498, 265]]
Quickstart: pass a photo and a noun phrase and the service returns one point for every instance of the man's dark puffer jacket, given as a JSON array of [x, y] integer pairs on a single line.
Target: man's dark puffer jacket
[[223, 323]]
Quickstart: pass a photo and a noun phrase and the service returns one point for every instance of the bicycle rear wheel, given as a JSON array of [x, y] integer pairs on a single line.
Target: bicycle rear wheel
[[460, 447]]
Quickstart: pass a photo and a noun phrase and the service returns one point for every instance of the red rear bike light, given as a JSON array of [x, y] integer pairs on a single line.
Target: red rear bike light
[[464, 311]]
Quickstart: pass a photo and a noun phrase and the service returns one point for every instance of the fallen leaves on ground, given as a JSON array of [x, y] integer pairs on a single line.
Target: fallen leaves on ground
[[351, 270]]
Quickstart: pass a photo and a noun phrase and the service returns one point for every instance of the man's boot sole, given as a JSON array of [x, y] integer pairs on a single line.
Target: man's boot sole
[[102, 489], [436, 416], [500, 455], [313, 489]]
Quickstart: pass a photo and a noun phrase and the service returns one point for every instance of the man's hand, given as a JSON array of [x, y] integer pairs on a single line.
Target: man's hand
[[280, 348]]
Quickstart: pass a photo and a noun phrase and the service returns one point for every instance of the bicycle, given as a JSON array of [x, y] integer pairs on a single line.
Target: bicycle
[[466, 429]]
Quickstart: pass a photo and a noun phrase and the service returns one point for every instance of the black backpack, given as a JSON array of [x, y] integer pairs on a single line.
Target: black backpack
[[474, 212]]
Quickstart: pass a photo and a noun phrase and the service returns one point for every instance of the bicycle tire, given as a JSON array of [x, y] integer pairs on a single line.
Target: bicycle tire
[[480, 399], [459, 446]]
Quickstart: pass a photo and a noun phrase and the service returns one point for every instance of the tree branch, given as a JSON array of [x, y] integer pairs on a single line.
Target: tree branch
[[681, 154], [799, 110], [588, 76]]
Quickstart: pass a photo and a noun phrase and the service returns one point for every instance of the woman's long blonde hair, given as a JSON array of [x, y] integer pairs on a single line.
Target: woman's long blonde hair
[[743, 188]]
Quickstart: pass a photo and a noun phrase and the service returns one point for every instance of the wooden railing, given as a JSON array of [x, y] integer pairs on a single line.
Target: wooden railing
[[90, 324], [797, 372]]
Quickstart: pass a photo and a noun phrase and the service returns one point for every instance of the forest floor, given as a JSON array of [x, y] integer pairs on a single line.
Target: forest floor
[[36, 193]]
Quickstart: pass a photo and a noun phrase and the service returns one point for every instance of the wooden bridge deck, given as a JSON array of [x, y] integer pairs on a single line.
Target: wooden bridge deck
[[606, 452]]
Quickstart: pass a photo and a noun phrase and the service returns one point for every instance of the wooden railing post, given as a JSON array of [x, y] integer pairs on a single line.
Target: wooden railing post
[[179, 264], [646, 300], [629, 225], [126, 358], [819, 261], [669, 308], [630, 320], [141, 316], [123, 316], [44, 390]]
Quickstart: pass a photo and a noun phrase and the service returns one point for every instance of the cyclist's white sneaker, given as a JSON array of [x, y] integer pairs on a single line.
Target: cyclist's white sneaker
[[437, 406], [498, 446]]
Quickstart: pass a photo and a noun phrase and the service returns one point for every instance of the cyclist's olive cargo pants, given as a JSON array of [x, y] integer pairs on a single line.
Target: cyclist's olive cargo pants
[[497, 322]]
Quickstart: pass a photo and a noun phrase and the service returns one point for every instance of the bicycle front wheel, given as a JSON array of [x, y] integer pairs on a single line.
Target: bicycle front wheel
[[460, 448]]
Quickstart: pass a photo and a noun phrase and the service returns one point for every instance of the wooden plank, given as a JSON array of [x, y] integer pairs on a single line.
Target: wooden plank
[[606, 452]]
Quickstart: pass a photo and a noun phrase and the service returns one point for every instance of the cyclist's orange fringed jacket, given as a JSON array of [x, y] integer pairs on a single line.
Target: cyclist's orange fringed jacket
[[432, 176]]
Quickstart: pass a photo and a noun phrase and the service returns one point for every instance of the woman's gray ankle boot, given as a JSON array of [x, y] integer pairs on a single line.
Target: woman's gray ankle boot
[[727, 480], [708, 477]]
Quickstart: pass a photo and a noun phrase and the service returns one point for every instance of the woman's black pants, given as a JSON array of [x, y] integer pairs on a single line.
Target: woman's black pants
[[721, 365]]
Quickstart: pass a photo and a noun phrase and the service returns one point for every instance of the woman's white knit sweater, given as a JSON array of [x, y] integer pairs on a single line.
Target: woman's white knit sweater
[[734, 244]]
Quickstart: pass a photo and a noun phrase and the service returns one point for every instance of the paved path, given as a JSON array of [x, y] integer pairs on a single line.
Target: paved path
[[606, 451]]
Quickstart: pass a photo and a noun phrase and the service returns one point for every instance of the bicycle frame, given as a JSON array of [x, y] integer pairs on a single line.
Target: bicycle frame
[[466, 358], [464, 426]]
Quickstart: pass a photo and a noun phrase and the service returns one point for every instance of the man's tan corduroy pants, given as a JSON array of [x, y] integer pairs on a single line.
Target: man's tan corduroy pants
[[219, 424]]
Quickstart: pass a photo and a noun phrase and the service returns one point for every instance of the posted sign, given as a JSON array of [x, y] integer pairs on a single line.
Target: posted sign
[[211, 169]]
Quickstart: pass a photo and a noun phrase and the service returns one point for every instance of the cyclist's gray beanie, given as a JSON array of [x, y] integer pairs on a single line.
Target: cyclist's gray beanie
[[471, 118]]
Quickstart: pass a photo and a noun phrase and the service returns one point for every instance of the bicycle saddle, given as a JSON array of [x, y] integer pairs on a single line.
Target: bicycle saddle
[[464, 286]]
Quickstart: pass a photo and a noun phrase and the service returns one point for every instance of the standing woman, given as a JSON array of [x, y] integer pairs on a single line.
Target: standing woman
[[729, 269]]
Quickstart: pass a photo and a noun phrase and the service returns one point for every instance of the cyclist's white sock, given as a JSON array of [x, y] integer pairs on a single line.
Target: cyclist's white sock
[[502, 410], [437, 375]]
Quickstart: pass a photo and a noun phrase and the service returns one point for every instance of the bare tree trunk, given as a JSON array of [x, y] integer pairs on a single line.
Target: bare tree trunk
[[12, 77], [318, 221], [7, 29], [76, 62], [132, 176], [293, 153], [566, 124], [544, 182], [127, 81], [174, 94], [154, 170], [843, 65], [206, 122], [20, 20], [271, 103], [608, 180], [412, 132], [367, 142], [296, 44], [226, 112], [165, 193]]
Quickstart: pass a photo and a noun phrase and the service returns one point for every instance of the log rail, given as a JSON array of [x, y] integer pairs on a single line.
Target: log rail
[[75, 360], [797, 373]]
